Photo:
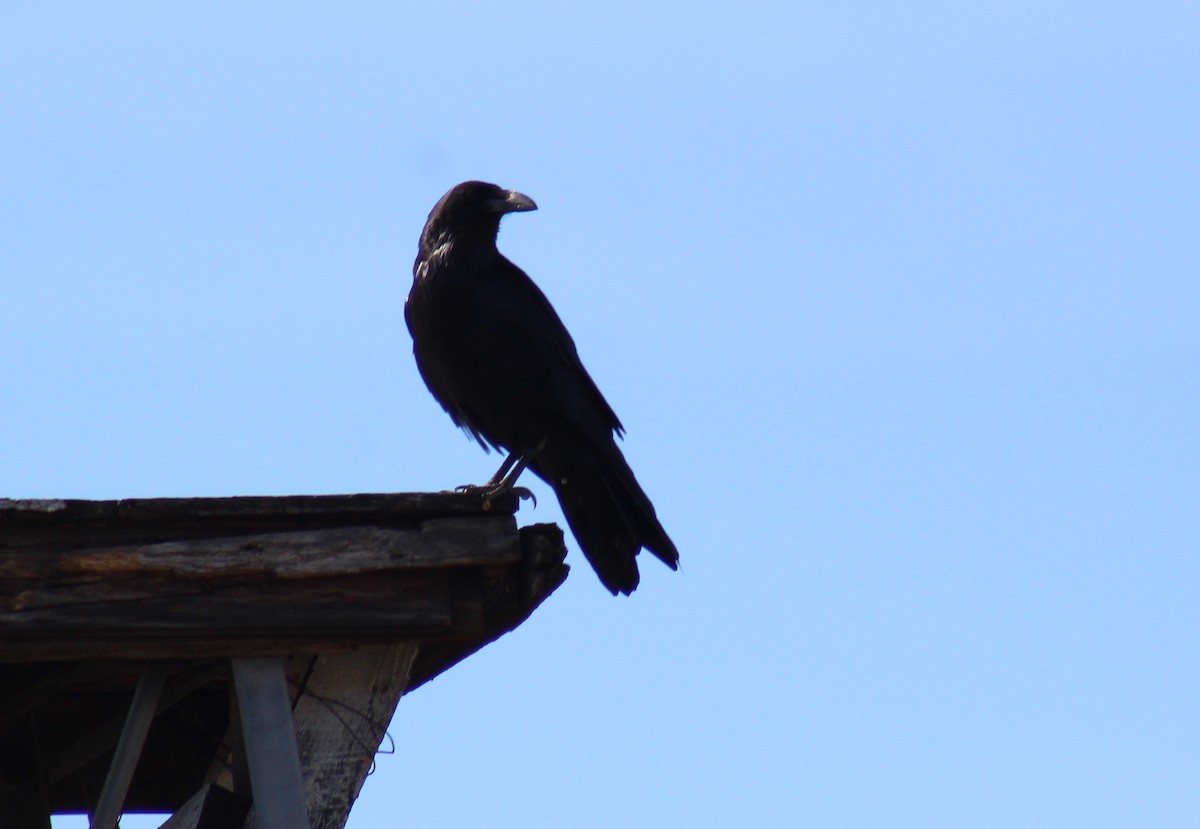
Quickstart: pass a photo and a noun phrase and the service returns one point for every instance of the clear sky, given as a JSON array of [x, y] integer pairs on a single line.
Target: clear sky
[[898, 302]]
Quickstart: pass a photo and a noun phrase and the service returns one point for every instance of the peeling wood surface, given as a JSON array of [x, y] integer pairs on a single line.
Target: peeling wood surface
[[344, 550]]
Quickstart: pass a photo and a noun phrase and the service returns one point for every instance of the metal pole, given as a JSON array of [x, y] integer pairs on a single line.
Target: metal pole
[[129, 747], [269, 735]]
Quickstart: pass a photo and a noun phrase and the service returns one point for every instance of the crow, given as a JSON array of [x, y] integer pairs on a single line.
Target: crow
[[495, 355]]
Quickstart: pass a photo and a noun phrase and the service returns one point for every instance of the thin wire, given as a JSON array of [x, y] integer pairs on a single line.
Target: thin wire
[[330, 704]]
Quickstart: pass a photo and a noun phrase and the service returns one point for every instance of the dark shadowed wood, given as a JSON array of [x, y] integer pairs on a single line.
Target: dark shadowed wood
[[511, 598], [159, 617], [21, 804], [104, 736]]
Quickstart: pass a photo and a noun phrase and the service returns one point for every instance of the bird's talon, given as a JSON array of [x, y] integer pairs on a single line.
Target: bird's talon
[[489, 493], [524, 494]]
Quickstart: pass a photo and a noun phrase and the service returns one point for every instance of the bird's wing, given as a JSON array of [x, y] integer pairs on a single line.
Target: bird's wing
[[550, 363], [504, 366]]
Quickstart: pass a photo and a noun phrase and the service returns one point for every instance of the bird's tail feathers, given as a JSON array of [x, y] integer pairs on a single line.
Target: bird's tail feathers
[[609, 514]]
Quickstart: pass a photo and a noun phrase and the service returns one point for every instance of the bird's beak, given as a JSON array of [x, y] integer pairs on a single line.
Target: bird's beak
[[514, 202]]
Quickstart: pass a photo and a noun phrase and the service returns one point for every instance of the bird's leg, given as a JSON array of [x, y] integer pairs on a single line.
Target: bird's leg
[[505, 479], [493, 486], [506, 476], [509, 481], [508, 464]]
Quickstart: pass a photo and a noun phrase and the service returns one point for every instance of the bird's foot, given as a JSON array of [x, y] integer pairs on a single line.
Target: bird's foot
[[490, 492], [505, 479], [523, 494]]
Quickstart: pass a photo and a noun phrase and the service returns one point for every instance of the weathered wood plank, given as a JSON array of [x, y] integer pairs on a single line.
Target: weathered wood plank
[[343, 551], [164, 606], [285, 508], [359, 583], [444, 542]]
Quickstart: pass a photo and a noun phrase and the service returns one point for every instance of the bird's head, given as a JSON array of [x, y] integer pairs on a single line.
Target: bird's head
[[473, 207]]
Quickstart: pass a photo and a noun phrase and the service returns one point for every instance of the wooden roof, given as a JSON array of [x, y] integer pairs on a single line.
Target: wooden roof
[[366, 595]]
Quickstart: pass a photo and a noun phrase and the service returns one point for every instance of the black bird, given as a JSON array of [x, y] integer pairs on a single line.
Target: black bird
[[494, 353]]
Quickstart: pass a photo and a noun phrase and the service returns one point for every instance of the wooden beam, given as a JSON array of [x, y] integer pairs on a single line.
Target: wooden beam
[[238, 576], [233, 620], [344, 704]]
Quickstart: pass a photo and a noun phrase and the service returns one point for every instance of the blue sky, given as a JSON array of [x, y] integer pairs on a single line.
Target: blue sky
[[897, 301]]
